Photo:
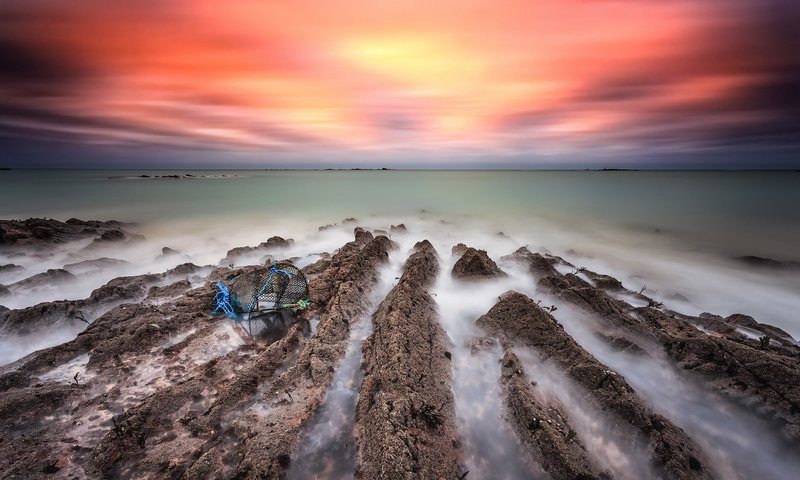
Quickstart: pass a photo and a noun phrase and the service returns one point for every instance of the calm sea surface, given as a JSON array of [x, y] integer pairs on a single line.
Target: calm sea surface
[[740, 213], [677, 234]]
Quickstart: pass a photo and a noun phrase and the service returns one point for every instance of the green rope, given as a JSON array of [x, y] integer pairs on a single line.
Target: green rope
[[301, 304]]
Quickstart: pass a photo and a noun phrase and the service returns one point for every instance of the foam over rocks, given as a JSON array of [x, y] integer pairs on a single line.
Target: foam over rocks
[[164, 389], [544, 426], [42, 231], [283, 408], [749, 362], [475, 265], [133, 377], [517, 318], [405, 420]]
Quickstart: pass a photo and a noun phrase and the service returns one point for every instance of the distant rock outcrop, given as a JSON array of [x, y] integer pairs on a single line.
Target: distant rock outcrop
[[458, 250], [43, 231], [475, 265], [401, 228], [263, 248]]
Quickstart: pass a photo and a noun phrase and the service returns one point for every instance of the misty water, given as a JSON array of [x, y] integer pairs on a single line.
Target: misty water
[[676, 233]]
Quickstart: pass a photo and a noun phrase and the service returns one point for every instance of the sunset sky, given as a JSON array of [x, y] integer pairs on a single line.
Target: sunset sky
[[455, 83]]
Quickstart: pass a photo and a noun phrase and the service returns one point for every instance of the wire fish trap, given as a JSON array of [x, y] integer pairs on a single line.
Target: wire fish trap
[[271, 326], [268, 289]]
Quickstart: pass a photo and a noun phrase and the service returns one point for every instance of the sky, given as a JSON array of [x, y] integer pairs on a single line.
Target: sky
[[410, 84]]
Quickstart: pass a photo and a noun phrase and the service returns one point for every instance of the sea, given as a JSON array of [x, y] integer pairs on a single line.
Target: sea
[[719, 242], [679, 234]]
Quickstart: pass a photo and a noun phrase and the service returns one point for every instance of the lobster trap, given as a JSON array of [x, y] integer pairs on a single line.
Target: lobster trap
[[270, 326], [267, 289]]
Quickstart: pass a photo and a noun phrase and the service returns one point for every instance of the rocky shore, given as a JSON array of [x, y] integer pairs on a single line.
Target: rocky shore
[[152, 385]]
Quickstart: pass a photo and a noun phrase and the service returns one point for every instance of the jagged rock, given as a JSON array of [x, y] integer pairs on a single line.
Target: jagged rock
[[363, 236], [172, 290], [277, 242], [401, 228], [606, 282], [237, 252], [42, 231], [164, 389], [518, 318], [612, 312], [766, 379], [732, 364], [27, 321], [48, 279], [113, 236], [458, 250], [166, 253], [285, 383], [538, 264], [9, 269], [96, 264], [14, 379], [272, 243], [317, 267], [768, 330], [405, 420], [340, 295], [475, 265], [715, 323], [544, 428], [622, 344]]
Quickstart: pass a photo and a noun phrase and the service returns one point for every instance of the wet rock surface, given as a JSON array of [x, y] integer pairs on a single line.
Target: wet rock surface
[[317, 267], [154, 386], [763, 376], [263, 251], [165, 390], [59, 313], [299, 392], [476, 265], [544, 428], [405, 419], [537, 263], [94, 265], [48, 279], [9, 270], [517, 318], [43, 232], [458, 250], [761, 373]]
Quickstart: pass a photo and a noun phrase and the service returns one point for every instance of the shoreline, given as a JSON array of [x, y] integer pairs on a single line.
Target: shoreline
[[153, 339]]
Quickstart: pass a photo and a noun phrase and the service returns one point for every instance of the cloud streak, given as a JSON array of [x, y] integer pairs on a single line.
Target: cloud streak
[[473, 79]]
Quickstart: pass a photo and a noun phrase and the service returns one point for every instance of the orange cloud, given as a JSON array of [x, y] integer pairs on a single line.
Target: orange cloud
[[365, 75]]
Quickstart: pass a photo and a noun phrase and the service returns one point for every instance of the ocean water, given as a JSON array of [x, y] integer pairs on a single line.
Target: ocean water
[[745, 213], [675, 233]]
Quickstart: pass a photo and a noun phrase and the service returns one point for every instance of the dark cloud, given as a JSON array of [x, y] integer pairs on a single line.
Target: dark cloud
[[31, 69], [19, 122], [755, 44]]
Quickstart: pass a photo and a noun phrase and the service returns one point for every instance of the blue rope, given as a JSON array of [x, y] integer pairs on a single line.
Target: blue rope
[[223, 301], [272, 273]]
